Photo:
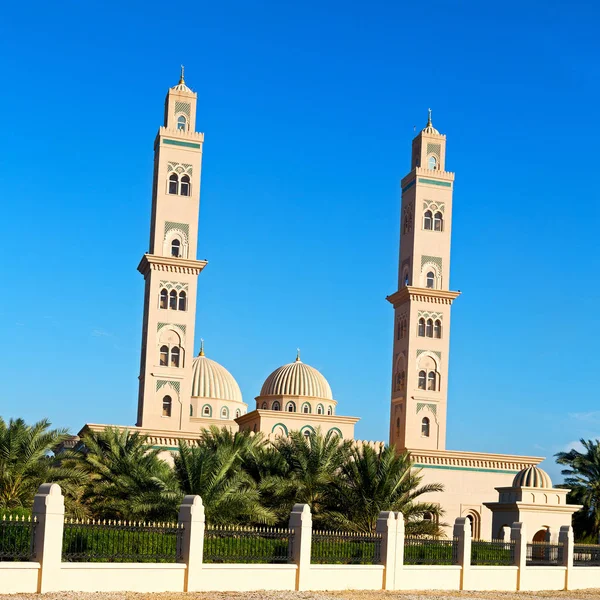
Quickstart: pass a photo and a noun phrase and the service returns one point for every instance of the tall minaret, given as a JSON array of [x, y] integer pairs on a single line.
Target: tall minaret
[[170, 268], [422, 302]]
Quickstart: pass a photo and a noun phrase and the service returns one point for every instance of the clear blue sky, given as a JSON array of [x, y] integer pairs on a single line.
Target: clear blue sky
[[308, 110]]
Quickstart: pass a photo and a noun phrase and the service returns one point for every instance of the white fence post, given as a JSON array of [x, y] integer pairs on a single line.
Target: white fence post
[[565, 537], [462, 531], [518, 534], [49, 512], [400, 533], [191, 517], [386, 526], [301, 525]]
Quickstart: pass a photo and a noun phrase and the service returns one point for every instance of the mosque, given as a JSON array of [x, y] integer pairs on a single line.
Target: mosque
[[180, 394]]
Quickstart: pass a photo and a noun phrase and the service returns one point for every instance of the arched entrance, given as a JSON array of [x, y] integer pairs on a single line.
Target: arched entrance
[[541, 535]]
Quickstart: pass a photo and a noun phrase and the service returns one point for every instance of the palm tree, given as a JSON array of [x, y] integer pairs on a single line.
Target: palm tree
[[25, 460], [582, 475], [372, 481], [214, 472]]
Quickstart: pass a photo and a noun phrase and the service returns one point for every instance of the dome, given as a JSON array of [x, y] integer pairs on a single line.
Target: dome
[[532, 477], [296, 379], [429, 128], [211, 380], [181, 87]]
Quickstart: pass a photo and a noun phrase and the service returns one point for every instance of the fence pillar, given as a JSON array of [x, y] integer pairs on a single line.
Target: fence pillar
[[301, 524], [386, 526], [518, 534], [565, 537], [400, 533], [49, 511], [462, 533], [191, 517]]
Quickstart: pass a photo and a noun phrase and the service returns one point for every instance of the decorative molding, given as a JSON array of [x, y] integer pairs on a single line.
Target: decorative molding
[[181, 143], [170, 285], [432, 407], [184, 227], [430, 315], [455, 459], [183, 107], [436, 260], [159, 326], [432, 205], [434, 182], [436, 352], [434, 149], [170, 264], [176, 385], [409, 185], [416, 294], [180, 168]]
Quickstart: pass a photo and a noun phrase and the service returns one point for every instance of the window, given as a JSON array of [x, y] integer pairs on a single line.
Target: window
[[403, 328], [320, 409], [431, 383], [421, 327], [264, 406], [164, 298], [175, 351], [429, 328], [182, 301], [173, 183], [290, 407], [329, 411], [167, 406], [406, 278], [206, 412], [306, 433], [438, 221], [238, 413], [175, 248], [191, 411], [224, 413], [401, 380], [398, 332], [422, 380], [184, 189], [425, 427], [437, 329], [276, 406], [428, 220], [164, 356], [173, 300], [398, 426], [306, 409], [181, 123], [432, 163], [430, 280]]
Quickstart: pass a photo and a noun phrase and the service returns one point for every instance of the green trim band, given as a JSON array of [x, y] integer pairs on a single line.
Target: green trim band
[[409, 185], [165, 448], [178, 143], [434, 182], [452, 468]]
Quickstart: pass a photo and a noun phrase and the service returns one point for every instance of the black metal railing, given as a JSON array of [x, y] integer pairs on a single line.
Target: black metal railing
[[344, 548], [492, 553], [544, 554], [430, 551], [236, 544], [586, 555], [121, 541], [17, 538]]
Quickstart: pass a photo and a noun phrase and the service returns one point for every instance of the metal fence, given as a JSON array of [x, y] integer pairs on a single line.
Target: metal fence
[[345, 548], [586, 555], [17, 538], [121, 541], [235, 544], [430, 551], [544, 554], [492, 553]]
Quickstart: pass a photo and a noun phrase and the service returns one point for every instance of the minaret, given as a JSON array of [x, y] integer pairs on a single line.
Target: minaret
[[422, 302], [170, 268]]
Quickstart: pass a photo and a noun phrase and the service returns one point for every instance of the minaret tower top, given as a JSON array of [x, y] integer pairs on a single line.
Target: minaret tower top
[[180, 107]]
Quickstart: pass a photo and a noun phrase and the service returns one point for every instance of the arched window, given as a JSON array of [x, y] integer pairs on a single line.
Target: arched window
[[164, 298], [290, 407], [403, 327], [398, 331], [182, 300], [238, 413], [175, 248], [438, 220], [224, 413], [425, 427], [429, 328], [320, 409], [276, 406], [173, 300], [191, 411], [401, 380], [431, 381], [167, 403], [398, 426], [428, 220], [430, 280], [264, 406], [173, 183], [421, 327], [422, 380], [329, 411], [306, 433], [206, 412], [164, 356], [432, 163], [184, 188], [181, 123], [306, 408], [437, 329], [406, 278], [175, 353]]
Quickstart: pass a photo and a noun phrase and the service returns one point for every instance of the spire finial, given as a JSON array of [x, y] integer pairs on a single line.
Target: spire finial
[[428, 116], [298, 355], [181, 78], [201, 353]]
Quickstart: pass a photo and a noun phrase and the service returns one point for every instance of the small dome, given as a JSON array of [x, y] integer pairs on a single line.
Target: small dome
[[429, 128], [211, 380], [296, 379], [181, 87], [532, 477]]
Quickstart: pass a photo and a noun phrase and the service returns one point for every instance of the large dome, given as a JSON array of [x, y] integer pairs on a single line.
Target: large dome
[[532, 477], [211, 380], [296, 379]]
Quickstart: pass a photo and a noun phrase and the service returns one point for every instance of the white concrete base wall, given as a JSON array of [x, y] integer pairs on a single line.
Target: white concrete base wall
[[345, 577], [246, 578], [581, 578], [19, 577], [491, 578], [428, 577], [544, 578], [118, 577]]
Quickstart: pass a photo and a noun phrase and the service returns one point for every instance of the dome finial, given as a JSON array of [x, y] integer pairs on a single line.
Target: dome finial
[[428, 111], [298, 355], [201, 353], [181, 78]]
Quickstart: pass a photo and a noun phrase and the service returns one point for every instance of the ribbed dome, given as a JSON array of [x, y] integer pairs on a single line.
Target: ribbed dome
[[296, 379], [211, 380], [532, 477]]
